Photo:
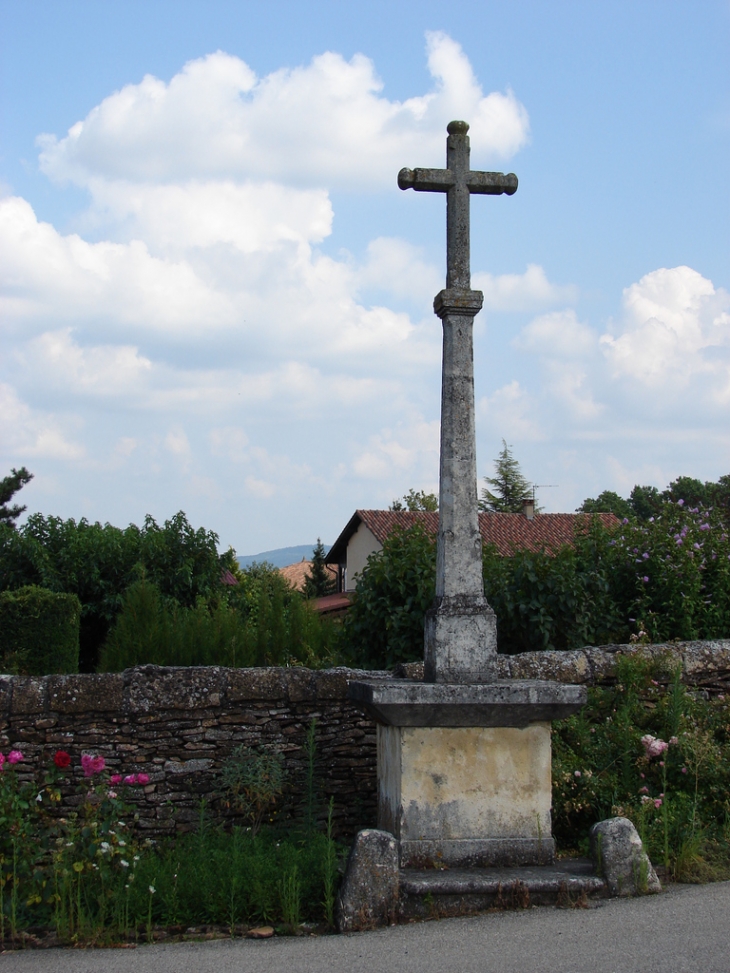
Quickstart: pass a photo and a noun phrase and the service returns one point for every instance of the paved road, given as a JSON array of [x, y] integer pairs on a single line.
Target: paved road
[[684, 930]]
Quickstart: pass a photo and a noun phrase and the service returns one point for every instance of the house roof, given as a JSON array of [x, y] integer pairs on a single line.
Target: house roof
[[296, 574], [507, 531]]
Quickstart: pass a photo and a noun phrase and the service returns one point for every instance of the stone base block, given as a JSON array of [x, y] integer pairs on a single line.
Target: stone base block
[[477, 852], [466, 795]]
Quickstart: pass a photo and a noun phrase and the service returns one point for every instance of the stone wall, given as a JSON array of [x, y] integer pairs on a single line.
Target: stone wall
[[180, 724]]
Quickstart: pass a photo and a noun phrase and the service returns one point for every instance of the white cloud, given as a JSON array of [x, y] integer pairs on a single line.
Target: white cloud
[[29, 432], [557, 335], [509, 413], [522, 292], [674, 331], [324, 124]]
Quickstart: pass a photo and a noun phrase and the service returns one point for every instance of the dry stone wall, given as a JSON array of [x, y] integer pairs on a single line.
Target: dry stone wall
[[180, 724]]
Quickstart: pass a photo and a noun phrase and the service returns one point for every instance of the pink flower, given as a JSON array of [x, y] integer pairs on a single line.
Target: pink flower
[[2, 761], [577, 773], [673, 741], [643, 790], [653, 746], [130, 779], [657, 802], [115, 779], [112, 794], [143, 778], [684, 770], [14, 757], [92, 765]]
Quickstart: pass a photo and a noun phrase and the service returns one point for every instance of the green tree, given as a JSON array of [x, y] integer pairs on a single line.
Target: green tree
[[509, 485], [416, 500], [607, 502], [645, 501], [319, 581], [9, 486]]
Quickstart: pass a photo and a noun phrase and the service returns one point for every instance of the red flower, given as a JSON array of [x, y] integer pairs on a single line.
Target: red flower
[[61, 759]]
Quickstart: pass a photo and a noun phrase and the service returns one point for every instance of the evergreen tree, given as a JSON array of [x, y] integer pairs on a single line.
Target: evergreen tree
[[319, 581], [509, 485], [416, 500], [9, 486]]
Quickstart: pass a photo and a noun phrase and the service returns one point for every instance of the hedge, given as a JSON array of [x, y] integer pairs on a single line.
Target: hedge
[[39, 631]]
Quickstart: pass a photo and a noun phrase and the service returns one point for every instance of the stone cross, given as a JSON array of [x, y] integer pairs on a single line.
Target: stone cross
[[460, 639]]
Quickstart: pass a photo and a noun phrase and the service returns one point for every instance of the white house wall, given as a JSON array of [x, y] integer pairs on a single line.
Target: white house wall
[[361, 545]]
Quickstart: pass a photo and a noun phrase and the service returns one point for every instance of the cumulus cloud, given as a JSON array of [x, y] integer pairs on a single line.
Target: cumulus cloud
[[323, 124], [33, 432], [522, 292], [557, 335], [674, 331]]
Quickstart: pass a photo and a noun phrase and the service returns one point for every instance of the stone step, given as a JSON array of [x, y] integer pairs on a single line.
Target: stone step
[[451, 892]]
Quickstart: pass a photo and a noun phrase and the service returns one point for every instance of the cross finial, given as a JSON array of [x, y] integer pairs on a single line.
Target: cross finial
[[458, 182]]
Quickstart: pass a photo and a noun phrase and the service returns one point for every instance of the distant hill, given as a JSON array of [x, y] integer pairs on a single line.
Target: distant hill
[[282, 556]]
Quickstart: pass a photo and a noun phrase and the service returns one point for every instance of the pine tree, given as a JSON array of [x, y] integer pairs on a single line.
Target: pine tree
[[510, 486], [9, 486], [319, 581]]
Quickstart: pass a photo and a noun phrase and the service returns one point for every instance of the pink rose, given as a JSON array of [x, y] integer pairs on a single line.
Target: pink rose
[[115, 779], [14, 757], [92, 765], [130, 779], [143, 778]]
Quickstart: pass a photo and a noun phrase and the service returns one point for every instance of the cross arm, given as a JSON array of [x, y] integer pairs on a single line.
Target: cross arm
[[492, 183], [426, 180]]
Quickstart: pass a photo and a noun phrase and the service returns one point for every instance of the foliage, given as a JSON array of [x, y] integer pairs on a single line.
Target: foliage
[[253, 781], [384, 626], [319, 581], [645, 502], [653, 750], [607, 502], [98, 563], [88, 875], [554, 600], [261, 622], [510, 486], [9, 486], [668, 578], [39, 631], [416, 500]]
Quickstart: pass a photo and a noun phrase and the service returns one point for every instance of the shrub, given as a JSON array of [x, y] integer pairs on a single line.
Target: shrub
[[39, 631], [259, 622]]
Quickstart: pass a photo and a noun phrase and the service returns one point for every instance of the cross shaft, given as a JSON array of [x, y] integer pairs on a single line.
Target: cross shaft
[[460, 637]]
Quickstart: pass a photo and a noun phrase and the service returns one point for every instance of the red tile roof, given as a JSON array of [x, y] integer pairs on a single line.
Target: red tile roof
[[507, 531], [296, 574]]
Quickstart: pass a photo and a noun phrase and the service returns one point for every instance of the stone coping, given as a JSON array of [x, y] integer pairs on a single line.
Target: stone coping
[[510, 702], [145, 690]]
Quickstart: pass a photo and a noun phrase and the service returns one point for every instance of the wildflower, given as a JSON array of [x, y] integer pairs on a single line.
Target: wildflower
[[39, 797], [704, 526], [14, 757], [643, 790], [123, 863], [653, 746], [680, 503], [122, 844], [111, 794], [105, 846], [92, 765], [645, 555], [684, 770], [645, 799], [645, 579], [657, 802], [673, 741], [61, 759], [152, 889], [577, 773]]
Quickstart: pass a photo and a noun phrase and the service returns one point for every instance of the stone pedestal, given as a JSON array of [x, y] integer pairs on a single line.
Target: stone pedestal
[[464, 770]]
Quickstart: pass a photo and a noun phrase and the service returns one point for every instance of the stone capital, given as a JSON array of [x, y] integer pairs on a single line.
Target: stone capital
[[457, 300]]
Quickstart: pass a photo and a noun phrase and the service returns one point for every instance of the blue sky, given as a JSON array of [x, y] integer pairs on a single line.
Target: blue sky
[[214, 298]]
